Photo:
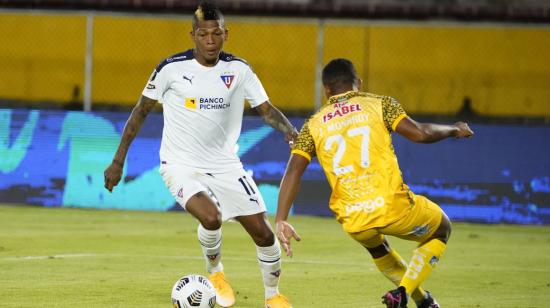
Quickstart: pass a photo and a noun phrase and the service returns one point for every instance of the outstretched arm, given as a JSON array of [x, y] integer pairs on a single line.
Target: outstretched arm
[[430, 133], [290, 185], [113, 173], [276, 119]]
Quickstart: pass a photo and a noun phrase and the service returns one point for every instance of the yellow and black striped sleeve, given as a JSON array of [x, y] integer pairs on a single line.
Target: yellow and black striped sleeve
[[304, 145], [392, 112]]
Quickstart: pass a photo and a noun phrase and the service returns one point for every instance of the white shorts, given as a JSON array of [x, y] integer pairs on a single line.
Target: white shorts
[[235, 191]]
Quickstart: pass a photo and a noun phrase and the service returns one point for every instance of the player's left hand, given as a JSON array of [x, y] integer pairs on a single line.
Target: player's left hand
[[285, 232], [291, 136], [464, 130]]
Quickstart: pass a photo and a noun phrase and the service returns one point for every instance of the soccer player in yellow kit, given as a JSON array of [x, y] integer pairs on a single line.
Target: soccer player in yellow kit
[[351, 137]]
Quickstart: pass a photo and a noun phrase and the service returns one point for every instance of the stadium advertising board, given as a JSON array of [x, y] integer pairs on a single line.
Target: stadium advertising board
[[57, 158]]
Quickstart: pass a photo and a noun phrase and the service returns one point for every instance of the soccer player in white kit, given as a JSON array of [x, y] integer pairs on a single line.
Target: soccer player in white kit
[[202, 91]]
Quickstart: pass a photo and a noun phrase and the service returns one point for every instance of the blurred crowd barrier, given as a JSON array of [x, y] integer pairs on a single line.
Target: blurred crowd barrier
[[104, 59]]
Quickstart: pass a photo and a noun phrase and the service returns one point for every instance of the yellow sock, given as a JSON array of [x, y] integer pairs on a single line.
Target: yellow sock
[[424, 258], [393, 267]]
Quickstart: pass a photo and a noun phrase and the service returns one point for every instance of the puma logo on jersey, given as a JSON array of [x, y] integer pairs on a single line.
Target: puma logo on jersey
[[342, 111], [188, 79]]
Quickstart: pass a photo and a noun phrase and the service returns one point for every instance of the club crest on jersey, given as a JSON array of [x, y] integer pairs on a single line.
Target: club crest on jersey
[[227, 80]]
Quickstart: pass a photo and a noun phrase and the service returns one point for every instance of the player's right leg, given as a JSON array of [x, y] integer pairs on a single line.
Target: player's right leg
[[429, 225], [426, 257], [191, 194], [209, 232]]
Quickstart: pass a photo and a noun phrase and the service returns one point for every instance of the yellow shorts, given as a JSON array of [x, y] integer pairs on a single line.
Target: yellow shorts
[[422, 221]]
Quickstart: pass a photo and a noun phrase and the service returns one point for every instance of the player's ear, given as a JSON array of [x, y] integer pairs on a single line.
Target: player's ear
[[327, 92], [358, 84], [226, 32]]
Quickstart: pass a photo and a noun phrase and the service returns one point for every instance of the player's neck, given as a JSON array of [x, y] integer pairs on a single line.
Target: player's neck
[[203, 61], [340, 91]]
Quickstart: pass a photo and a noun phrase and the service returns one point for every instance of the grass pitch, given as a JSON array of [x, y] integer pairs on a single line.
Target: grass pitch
[[98, 258]]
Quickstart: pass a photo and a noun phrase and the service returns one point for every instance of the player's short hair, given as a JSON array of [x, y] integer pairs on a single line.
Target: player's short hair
[[207, 11], [339, 73]]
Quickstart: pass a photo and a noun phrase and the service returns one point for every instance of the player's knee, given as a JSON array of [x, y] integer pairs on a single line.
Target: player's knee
[[380, 250], [443, 233], [212, 222], [264, 239]]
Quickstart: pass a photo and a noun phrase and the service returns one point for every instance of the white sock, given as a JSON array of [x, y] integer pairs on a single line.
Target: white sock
[[270, 264], [211, 242]]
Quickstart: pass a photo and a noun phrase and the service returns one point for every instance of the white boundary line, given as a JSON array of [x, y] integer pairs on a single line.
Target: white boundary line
[[367, 264], [61, 256], [102, 255]]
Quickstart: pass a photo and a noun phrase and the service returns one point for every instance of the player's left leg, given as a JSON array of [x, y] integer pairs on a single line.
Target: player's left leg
[[239, 198], [386, 259], [269, 257]]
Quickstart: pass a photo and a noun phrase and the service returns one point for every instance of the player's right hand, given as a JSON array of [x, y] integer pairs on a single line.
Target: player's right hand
[[464, 130], [112, 174], [285, 232]]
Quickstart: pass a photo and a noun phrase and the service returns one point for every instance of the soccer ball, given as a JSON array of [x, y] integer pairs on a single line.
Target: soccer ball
[[193, 291]]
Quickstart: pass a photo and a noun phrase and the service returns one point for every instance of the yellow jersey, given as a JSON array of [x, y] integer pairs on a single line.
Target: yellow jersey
[[351, 137]]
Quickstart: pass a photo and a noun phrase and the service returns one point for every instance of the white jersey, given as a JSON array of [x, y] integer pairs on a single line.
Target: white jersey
[[203, 109]]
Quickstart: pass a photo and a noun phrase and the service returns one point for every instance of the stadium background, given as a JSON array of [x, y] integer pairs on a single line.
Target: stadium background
[[487, 65]]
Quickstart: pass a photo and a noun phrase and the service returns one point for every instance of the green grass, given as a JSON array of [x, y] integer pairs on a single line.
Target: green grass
[[98, 258]]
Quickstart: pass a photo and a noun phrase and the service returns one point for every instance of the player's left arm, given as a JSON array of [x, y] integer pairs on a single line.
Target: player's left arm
[[397, 120], [432, 132], [276, 119]]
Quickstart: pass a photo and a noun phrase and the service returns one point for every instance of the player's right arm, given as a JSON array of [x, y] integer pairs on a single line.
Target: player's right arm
[[290, 185], [113, 173], [301, 155]]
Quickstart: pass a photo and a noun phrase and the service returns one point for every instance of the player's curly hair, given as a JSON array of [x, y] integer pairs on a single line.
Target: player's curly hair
[[339, 73], [207, 11]]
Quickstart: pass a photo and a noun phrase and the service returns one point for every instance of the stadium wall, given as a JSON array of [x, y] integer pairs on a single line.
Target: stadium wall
[[432, 67], [57, 159]]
